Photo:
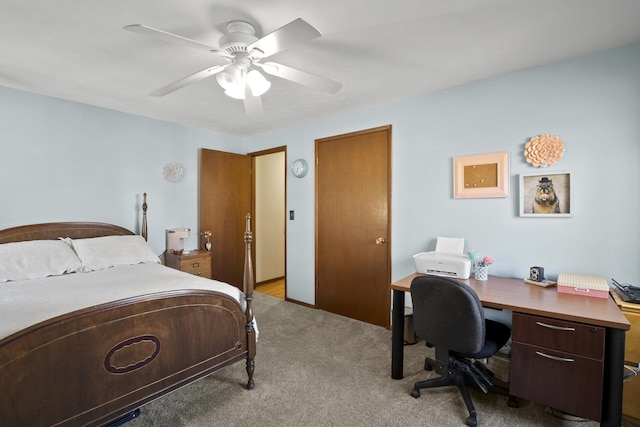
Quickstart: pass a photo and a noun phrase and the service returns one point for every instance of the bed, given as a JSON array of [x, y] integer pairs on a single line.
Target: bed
[[90, 344]]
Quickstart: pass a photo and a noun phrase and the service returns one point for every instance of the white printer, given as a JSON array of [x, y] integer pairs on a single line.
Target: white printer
[[447, 260]]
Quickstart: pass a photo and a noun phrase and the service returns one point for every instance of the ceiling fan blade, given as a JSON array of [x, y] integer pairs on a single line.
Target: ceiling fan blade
[[163, 35], [252, 104], [301, 77], [178, 84], [295, 32]]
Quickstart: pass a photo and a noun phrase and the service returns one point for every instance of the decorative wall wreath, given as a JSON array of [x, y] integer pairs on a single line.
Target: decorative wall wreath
[[173, 172], [544, 150]]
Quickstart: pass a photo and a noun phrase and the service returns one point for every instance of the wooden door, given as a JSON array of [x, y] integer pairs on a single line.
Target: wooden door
[[225, 199], [353, 211]]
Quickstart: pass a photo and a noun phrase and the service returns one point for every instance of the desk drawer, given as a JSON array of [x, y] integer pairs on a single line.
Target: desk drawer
[[563, 381], [570, 337], [558, 363]]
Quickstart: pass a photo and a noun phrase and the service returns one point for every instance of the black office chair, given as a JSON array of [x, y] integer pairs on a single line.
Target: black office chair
[[448, 315]]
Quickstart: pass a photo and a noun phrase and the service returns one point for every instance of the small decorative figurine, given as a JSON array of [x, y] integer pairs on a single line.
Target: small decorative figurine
[[207, 235]]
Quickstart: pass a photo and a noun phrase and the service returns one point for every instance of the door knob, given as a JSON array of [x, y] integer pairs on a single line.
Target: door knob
[[380, 241]]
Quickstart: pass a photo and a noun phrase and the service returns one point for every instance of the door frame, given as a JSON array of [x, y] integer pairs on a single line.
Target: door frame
[[253, 156]]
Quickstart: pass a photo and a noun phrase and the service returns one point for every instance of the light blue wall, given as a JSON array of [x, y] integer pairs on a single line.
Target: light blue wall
[[592, 103], [61, 161]]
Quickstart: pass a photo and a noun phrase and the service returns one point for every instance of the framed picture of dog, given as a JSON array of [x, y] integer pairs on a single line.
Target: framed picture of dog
[[546, 195]]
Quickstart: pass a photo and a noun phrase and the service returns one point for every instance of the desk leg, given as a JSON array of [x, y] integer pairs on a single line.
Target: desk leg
[[397, 335], [613, 372]]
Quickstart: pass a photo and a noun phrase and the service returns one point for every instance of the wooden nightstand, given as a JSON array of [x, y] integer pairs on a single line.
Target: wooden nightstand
[[195, 262]]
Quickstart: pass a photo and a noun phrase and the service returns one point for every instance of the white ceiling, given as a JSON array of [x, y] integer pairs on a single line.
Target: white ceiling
[[380, 50]]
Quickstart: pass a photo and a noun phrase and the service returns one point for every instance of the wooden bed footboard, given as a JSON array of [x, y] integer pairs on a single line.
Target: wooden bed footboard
[[92, 366]]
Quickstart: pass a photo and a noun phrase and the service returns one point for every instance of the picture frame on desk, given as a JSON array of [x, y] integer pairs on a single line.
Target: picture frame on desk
[[546, 195]]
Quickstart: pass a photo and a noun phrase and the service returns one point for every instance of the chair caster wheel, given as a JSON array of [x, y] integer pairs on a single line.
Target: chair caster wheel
[[471, 422], [415, 393], [427, 365]]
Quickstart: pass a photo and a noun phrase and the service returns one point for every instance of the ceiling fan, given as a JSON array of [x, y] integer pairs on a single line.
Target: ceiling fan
[[243, 53]]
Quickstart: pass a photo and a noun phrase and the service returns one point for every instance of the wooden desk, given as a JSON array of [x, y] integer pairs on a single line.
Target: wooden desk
[[519, 297]]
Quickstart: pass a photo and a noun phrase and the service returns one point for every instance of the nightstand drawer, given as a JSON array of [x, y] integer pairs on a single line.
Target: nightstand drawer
[[200, 266], [197, 263]]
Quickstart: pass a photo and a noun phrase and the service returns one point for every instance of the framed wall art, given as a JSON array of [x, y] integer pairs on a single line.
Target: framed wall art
[[546, 195], [481, 176]]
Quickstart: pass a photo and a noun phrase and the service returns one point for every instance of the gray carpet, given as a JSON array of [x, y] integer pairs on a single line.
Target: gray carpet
[[315, 368]]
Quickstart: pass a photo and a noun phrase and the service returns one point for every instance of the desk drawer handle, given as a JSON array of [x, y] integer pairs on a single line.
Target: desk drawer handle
[[558, 328], [559, 359], [195, 265]]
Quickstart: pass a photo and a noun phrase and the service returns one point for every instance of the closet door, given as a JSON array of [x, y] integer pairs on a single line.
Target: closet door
[[353, 212]]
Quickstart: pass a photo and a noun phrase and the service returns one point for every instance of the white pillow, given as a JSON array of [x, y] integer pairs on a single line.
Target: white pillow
[[36, 259], [99, 253]]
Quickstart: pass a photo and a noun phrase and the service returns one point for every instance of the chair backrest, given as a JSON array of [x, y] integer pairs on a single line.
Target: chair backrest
[[448, 314]]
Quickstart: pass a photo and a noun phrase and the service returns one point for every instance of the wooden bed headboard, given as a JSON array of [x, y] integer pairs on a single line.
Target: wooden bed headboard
[[73, 230], [52, 231]]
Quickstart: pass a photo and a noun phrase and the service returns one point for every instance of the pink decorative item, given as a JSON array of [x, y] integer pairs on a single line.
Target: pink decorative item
[[544, 150]]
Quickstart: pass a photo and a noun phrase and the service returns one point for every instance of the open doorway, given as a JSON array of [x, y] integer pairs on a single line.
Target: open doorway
[[269, 200]]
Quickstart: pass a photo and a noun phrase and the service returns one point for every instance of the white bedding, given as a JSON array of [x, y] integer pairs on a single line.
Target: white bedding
[[27, 302]]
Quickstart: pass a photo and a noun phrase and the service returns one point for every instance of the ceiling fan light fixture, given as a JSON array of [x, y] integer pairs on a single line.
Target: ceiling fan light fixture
[[236, 92], [233, 80], [258, 84], [231, 77], [244, 52]]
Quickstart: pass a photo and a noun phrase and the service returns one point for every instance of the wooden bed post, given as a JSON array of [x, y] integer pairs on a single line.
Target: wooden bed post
[[144, 231], [248, 284]]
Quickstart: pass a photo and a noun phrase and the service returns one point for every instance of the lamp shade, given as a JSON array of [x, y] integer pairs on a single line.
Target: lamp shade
[[257, 83], [234, 79], [236, 92], [230, 78]]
